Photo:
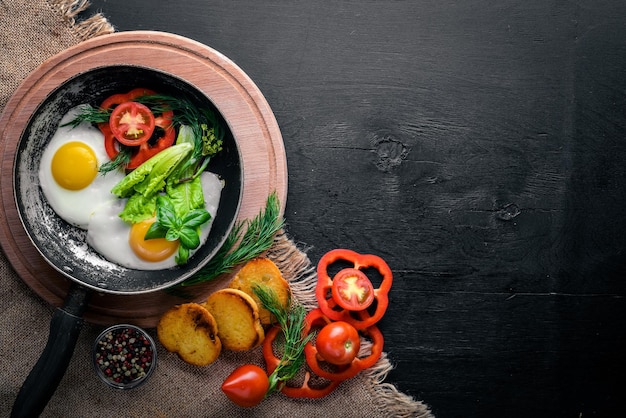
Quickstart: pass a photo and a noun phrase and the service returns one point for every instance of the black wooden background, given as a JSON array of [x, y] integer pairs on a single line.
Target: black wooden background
[[477, 146]]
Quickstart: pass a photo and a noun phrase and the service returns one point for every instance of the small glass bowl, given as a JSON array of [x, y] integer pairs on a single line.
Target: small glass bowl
[[124, 356]]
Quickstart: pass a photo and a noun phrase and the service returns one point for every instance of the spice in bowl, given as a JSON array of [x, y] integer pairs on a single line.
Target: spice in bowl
[[124, 356]]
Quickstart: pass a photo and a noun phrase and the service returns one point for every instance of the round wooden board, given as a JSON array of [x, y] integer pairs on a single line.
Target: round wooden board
[[235, 95]]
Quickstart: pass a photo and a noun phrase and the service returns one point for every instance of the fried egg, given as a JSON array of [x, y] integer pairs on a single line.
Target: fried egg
[[68, 172], [123, 244]]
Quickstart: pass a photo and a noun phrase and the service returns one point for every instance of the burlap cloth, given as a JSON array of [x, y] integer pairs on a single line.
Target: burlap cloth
[[32, 31]]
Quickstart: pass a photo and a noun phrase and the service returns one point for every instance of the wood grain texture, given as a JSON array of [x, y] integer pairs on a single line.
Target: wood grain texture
[[239, 101], [476, 146]]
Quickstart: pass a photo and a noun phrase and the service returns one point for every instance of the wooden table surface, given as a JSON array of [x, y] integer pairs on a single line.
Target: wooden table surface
[[477, 146]]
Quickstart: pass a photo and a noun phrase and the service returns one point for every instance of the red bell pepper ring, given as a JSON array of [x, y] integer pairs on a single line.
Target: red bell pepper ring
[[147, 149], [304, 391], [340, 373], [350, 290], [120, 98]]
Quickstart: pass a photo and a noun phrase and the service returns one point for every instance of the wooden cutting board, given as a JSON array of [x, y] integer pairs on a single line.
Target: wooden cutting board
[[239, 100]]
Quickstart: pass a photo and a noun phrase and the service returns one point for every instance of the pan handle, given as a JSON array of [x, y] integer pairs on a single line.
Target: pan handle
[[45, 376]]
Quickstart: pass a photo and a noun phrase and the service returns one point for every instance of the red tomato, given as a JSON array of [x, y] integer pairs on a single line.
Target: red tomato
[[352, 290], [338, 343], [304, 390], [146, 149], [246, 385], [132, 123]]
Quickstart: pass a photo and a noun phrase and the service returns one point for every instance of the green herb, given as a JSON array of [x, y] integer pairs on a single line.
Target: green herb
[[291, 321], [241, 246], [207, 131], [173, 227], [89, 114], [121, 160], [142, 184], [175, 170]]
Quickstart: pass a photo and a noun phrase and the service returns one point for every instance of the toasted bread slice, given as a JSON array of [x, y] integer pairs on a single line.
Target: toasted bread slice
[[262, 271], [190, 331], [237, 317]]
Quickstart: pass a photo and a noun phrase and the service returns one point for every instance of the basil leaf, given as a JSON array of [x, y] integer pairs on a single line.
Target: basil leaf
[[183, 255], [172, 234], [196, 217], [166, 216], [155, 231], [189, 237]]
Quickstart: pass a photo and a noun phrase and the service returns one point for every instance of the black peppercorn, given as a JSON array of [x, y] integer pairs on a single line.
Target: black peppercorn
[[124, 356]]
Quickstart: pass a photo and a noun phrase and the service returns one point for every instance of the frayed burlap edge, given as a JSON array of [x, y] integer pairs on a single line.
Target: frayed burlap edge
[[302, 276], [93, 26]]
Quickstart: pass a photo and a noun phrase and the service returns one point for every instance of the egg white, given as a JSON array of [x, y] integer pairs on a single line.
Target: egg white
[[108, 234], [77, 206]]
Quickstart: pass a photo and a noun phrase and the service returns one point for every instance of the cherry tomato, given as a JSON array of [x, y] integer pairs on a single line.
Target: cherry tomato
[[132, 123], [247, 385], [338, 343]]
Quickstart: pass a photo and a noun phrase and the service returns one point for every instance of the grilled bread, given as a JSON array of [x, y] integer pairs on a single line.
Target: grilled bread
[[190, 331], [237, 316], [262, 271]]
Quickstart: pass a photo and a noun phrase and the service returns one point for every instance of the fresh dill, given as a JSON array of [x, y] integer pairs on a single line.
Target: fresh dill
[[242, 246], [291, 319], [207, 129], [121, 160], [89, 114]]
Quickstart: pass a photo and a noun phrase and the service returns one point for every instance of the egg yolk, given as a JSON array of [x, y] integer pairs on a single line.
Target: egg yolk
[[157, 249], [74, 165]]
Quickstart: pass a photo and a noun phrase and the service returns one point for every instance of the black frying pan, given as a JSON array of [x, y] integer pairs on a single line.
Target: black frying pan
[[63, 246]]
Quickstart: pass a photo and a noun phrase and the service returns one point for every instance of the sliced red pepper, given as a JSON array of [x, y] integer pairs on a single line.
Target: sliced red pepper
[[306, 390], [352, 291], [132, 123], [120, 98], [147, 149], [339, 373]]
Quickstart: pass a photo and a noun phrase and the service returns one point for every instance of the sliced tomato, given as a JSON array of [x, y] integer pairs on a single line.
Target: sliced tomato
[[132, 123], [352, 290], [346, 299], [160, 138]]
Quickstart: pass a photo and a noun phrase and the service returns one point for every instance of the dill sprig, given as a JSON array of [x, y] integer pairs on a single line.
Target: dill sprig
[[208, 132], [89, 114], [291, 319], [257, 238], [121, 160], [203, 121]]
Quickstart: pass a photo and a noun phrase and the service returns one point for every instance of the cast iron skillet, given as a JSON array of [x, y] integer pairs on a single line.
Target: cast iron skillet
[[64, 247]]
